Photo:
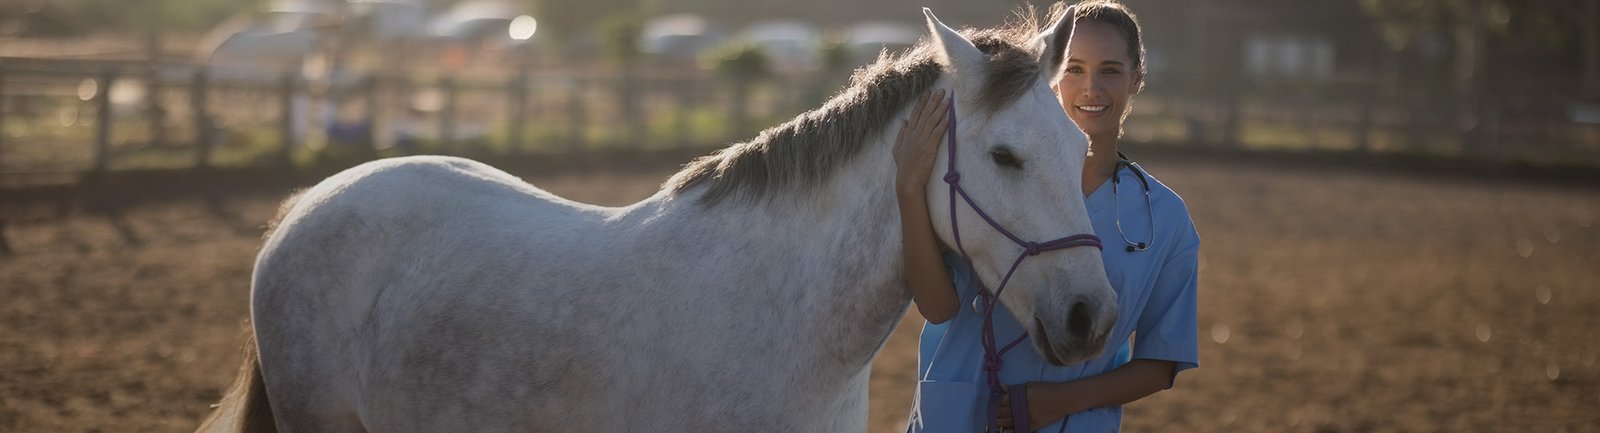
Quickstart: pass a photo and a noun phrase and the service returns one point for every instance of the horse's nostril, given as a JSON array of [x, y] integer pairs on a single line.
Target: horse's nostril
[[1079, 320]]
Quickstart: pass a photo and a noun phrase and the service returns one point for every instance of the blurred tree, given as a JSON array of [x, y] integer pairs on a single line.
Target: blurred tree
[[1466, 24], [621, 34], [1407, 23], [570, 22], [743, 65], [1584, 16], [835, 58], [1470, 24]]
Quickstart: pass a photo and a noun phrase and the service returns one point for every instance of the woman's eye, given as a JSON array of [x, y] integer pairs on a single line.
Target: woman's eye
[[1111, 72], [1005, 158], [1074, 70]]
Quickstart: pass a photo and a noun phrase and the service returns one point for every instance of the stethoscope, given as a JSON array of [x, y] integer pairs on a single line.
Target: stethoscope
[[1116, 200]]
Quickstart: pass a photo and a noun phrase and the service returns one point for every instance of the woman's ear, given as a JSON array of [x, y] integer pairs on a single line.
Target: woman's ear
[[1138, 83]]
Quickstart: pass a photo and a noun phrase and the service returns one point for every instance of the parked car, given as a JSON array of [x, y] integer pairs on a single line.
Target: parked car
[[866, 39], [474, 20], [791, 45], [679, 38]]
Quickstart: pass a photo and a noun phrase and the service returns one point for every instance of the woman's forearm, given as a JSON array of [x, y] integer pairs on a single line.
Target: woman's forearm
[[1135, 380], [916, 148], [926, 276]]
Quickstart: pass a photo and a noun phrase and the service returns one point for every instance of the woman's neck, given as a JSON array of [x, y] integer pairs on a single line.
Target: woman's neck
[[1101, 163]]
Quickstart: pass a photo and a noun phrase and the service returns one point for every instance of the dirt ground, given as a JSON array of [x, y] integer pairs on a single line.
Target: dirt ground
[[1332, 300]]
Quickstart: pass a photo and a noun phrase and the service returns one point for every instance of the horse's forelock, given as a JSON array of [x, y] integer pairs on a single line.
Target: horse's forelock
[[809, 147]]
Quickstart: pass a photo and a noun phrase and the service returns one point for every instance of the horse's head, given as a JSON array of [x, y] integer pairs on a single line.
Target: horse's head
[[1021, 160]]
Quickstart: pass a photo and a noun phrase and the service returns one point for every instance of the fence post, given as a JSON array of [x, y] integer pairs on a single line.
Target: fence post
[[519, 109], [102, 137], [5, 247], [577, 112], [202, 118], [2, 110], [1310, 121], [447, 115], [155, 111], [1364, 125], [288, 138], [404, 133], [680, 116], [629, 100], [369, 90]]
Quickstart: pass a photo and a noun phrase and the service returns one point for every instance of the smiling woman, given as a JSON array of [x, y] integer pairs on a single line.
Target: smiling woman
[[1105, 68]]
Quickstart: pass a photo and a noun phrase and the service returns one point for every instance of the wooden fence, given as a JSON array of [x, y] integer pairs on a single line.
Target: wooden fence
[[76, 116], [60, 118]]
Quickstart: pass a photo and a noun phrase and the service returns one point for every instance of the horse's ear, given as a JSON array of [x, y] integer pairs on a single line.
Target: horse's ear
[[955, 51], [1053, 55]]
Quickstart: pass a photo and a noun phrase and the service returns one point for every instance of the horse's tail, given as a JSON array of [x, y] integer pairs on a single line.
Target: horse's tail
[[244, 409]]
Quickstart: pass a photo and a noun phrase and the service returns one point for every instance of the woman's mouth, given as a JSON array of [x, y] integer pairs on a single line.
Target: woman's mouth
[[1092, 109], [1095, 111]]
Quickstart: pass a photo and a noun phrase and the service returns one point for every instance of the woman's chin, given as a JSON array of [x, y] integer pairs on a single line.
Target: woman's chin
[[1096, 127]]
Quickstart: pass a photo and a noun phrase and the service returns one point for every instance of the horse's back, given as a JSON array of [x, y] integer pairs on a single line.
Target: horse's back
[[381, 271], [399, 215]]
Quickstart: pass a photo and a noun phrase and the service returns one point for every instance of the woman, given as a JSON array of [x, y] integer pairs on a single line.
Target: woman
[[1150, 255]]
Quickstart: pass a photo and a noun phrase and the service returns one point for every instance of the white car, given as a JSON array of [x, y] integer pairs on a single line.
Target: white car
[[866, 39], [791, 45], [679, 37]]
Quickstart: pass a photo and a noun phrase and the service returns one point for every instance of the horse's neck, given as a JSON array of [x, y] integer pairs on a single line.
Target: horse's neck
[[852, 232], [828, 257]]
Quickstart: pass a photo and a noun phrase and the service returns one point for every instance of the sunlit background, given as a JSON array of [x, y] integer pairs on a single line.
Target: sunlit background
[[1397, 197]]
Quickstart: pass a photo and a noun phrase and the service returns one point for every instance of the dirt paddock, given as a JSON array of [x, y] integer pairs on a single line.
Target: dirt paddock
[[1332, 300]]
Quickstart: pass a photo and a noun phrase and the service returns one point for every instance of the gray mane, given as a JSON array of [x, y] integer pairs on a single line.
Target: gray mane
[[807, 149]]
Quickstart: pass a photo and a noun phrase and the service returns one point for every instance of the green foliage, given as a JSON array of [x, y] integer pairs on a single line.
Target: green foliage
[[621, 35], [834, 54], [571, 20], [741, 62], [1404, 21]]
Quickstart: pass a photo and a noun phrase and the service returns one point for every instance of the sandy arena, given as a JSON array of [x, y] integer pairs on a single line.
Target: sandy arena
[[1332, 300]]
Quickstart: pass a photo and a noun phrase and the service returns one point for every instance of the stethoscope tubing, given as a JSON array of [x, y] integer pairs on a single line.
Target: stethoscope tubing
[[1116, 200]]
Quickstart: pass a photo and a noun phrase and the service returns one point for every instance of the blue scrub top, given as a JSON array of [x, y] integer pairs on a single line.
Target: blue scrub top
[[1156, 292]]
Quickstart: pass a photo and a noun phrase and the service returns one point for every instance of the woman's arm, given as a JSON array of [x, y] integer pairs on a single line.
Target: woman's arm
[[916, 148], [1051, 401]]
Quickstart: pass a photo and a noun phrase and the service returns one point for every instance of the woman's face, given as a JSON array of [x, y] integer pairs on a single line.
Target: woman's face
[[1099, 80]]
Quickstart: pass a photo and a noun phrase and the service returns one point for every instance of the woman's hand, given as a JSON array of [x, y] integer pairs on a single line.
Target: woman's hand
[[916, 147], [1040, 412], [1051, 401]]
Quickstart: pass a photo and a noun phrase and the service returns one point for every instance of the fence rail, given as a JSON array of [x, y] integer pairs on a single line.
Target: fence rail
[[77, 116], [73, 116]]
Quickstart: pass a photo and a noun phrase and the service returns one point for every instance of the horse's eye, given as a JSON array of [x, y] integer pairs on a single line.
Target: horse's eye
[[1004, 157]]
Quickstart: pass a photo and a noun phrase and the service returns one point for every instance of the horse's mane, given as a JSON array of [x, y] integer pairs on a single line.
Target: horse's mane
[[807, 149]]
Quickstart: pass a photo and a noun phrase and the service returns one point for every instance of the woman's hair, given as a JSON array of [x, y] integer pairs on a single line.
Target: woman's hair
[[1115, 14]]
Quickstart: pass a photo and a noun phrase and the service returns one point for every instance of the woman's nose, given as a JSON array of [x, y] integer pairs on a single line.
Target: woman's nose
[[1091, 85]]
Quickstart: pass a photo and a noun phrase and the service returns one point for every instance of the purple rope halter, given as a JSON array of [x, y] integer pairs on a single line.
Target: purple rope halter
[[991, 355]]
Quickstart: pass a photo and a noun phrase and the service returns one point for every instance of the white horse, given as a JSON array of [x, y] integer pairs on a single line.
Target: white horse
[[437, 294]]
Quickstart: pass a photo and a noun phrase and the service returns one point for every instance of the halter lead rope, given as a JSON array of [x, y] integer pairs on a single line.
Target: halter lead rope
[[991, 356]]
